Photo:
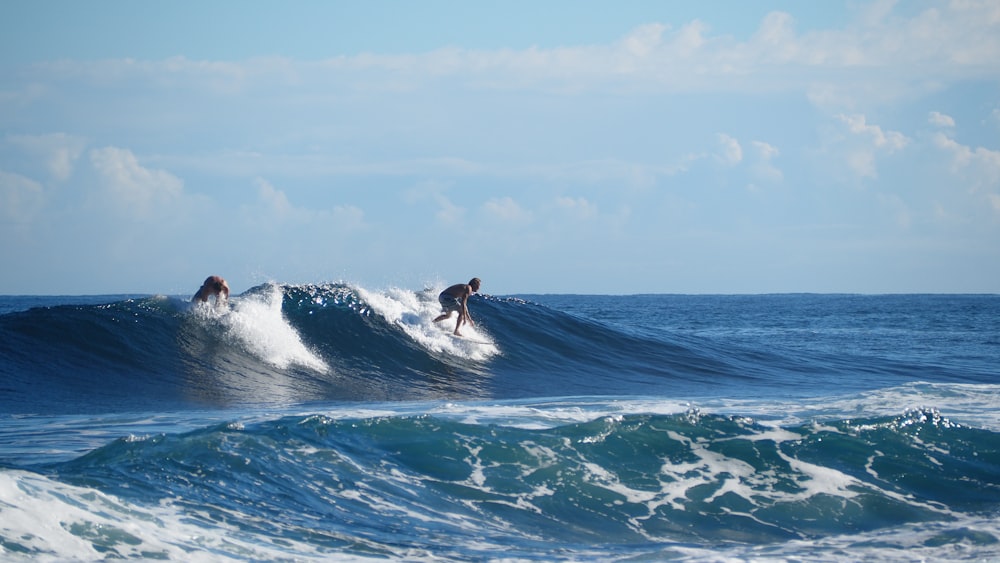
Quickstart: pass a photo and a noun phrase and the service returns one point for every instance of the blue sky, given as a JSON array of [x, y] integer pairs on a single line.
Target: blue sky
[[546, 147]]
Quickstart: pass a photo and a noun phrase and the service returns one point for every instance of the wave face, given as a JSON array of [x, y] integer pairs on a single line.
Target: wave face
[[273, 345], [293, 344]]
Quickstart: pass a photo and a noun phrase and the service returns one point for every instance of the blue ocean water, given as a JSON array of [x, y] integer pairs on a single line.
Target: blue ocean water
[[333, 422]]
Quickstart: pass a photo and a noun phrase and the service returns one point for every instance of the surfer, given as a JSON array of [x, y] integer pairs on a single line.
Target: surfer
[[456, 298], [214, 285]]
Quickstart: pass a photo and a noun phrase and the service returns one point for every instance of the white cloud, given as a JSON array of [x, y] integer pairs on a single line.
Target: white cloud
[[981, 164], [276, 202], [130, 187], [689, 39], [766, 150], [995, 202], [777, 35], [422, 191], [578, 207], [447, 211], [886, 53], [522, 125], [348, 217], [732, 152], [644, 39], [275, 209], [875, 13], [868, 141], [20, 198], [940, 119], [829, 96], [59, 151], [862, 162], [506, 209], [891, 141], [763, 168]]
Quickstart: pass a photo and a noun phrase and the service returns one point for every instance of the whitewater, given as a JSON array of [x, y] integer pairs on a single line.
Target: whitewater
[[337, 422]]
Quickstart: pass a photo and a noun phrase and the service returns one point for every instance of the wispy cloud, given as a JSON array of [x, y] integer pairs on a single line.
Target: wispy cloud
[[940, 120], [274, 210], [869, 141], [731, 150], [130, 187], [960, 40], [59, 151], [21, 199], [377, 159], [980, 166], [506, 209]]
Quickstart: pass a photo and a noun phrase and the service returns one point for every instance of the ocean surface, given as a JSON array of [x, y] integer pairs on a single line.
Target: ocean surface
[[337, 422]]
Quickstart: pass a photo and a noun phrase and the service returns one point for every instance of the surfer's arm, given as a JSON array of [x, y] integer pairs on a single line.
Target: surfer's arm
[[465, 305]]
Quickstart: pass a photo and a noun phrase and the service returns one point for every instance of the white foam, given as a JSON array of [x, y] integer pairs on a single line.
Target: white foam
[[51, 521], [975, 405], [415, 313], [545, 414], [255, 323]]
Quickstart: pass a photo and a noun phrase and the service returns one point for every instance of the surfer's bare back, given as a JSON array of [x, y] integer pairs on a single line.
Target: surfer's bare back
[[456, 298]]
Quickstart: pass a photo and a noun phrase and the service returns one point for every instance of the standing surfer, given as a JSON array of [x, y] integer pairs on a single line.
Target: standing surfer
[[456, 298], [214, 285]]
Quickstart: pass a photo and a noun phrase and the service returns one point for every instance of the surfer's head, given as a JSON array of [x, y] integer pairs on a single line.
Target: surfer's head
[[474, 282]]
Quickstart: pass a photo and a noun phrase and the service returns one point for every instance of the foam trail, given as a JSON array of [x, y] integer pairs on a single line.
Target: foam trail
[[415, 314], [255, 323], [53, 521]]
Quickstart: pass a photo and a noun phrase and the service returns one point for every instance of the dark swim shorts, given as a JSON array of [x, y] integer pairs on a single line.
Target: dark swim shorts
[[449, 302]]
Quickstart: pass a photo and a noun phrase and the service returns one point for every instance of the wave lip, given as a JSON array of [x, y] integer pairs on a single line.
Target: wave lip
[[256, 323], [414, 313]]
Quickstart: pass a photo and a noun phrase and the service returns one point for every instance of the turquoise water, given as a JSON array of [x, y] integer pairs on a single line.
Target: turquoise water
[[332, 422]]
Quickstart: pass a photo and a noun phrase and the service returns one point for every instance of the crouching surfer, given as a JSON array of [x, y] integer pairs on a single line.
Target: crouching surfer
[[213, 286], [456, 298]]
